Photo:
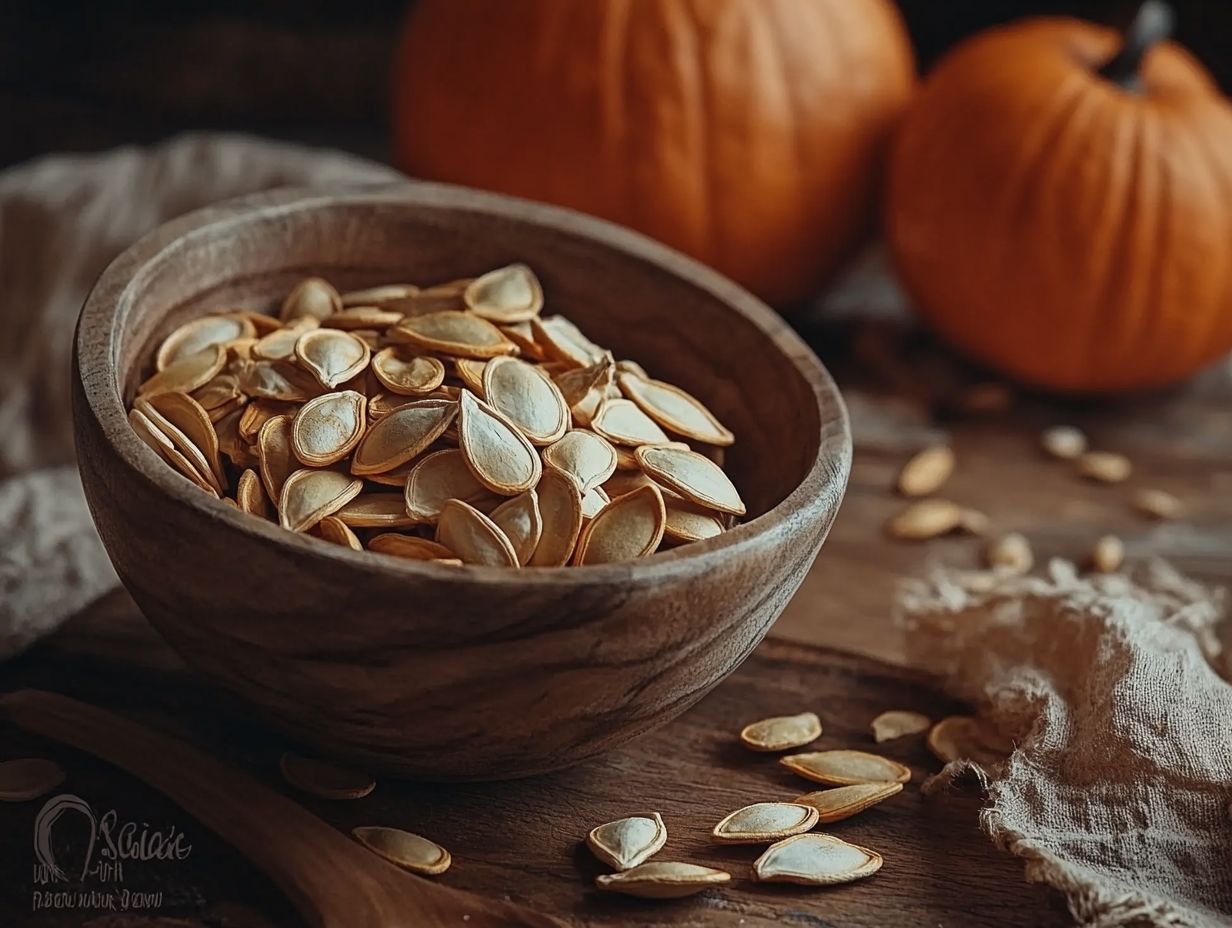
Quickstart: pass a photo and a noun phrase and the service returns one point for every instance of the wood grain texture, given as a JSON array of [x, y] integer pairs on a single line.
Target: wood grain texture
[[443, 671], [522, 841]]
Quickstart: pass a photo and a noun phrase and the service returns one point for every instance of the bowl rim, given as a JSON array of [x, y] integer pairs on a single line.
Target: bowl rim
[[98, 333]]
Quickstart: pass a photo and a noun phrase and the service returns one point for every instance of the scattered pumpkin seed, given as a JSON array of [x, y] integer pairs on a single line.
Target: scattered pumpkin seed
[[782, 732], [323, 779], [1064, 442], [926, 471], [842, 802], [845, 767], [898, 723], [815, 860], [1157, 504], [925, 519], [28, 778], [627, 842], [1104, 466], [1010, 552], [662, 880], [964, 737], [404, 848], [764, 821], [1108, 554]]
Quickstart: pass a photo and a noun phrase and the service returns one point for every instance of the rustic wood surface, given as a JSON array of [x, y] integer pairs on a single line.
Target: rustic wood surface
[[521, 840]]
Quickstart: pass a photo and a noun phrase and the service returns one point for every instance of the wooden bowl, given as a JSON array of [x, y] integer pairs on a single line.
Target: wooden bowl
[[432, 670]]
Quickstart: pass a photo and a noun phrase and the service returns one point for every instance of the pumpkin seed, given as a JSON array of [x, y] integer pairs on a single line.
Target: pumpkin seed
[[309, 495], [409, 375], [437, 298], [498, 454], [279, 345], [328, 428], [627, 842], [162, 445], [519, 519], [332, 356], [1012, 553], [405, 849], [436, 478], [963, 737], [560, 509], [693, 476], [632, 367], [410, 547], [629, 527], [382, 405], [378, 296], [526, 397], [577, 383], [200, 334], [621, 422], [584, 456], [470, 372], [259, 412], [928, 518], [453, 333], [781, 732], [323, 779], [593, 501], [674, 409], [842, 802], [402, 435], [187, 374], [843, 768], [277, 380], [376, 510], [521, 334], [473, 537], [182, 419], [815, 860], [333, 529], [250, 495], [662, 880], [313, 297], [764, 821], [353, 318], [563, 341], [222, 391], [898, 723], [1157, 504], [687, 522], [1108, 554], [28, 778], [506, 295], [926, 471], [1064, 442], [1104, 466], [275, 454], [262, 324]]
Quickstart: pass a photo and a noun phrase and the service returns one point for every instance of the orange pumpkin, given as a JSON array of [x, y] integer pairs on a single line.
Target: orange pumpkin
[[1062, 211], [747, 133]]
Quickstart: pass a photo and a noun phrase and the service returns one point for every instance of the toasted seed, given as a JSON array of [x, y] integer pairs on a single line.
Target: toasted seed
[[626, 481], [473, 537], [189, 427], [675, 409], [470, 372], [383, 404], [498, 454], [622, 422], [563, 341], [376, 510], [333, 529], [522, 335], [927, 518], [410, 547], [402, 434], [279, 345], [519, 519], [589, 459], [815, 860], [843, 768], [506, 295], [963, 737], [693, 476], [629, 527], [309, 495], [842, 802], [327, 428], [407, 374], [781, 732], [187, 374], [437, 477], [250, 495], [454, 333], [1157, 504], [926, 471], [323, 779], [378, 296], [312, 296], [898, 723], [28, 778], [259, 412], [764, 821], [276, 456], [1064, 442], [627, 842], [527, 397], [593, 501], [262, 323], [560, 508], [331, 355], [662, 880], [1108, 554], [221, 391], [1011, 552], [577, 382], [354, 318], [277, 380], [1104, 466], [973, 522], [405, 849], [158, 440], [200, 334], [686, 521]]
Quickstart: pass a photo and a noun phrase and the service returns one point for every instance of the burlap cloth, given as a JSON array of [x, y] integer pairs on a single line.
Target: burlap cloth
[[1119, 792]]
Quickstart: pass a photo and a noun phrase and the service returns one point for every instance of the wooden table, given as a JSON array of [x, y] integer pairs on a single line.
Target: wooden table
[[836, 650]]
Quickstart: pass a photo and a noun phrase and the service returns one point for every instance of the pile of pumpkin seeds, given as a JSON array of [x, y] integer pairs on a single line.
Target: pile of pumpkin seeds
[[453, 423]]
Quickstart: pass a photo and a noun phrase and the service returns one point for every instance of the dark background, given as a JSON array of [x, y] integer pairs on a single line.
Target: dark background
[[85, 76]]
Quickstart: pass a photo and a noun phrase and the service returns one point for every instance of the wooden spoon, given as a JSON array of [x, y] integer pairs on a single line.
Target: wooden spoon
[[333, 881]]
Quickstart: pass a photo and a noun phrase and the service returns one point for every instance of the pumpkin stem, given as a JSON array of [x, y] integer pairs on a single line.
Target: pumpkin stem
[[1151, 25]]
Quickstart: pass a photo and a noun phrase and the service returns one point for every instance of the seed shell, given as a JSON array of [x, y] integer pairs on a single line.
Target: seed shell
[[436, 478], [454, 333], [250, 495], [506, 295], [926, 472], [409, 547], [815, 860], [1104, 466], [693, 476], [200, 334], [674, 409], [407, 374], [842, 802], [627, 842], [313, 297], [498, 454], [629, 527], [519, 519], [1011, 552], [405, 849], [527, 397], [1157, 504], [782, 732], [323, 779], [309, 495], [964, 737], [1063, 442], [928, 518], [844, 767], [333, 529], [328, 428], [584, 456], [560, 508], [898, 723], [473, 537], [662, 880], [187, 374], [1108, 554], [332, 356], [622, 422], [764, 821], [402, 434], [277, 458], [376, 510]]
